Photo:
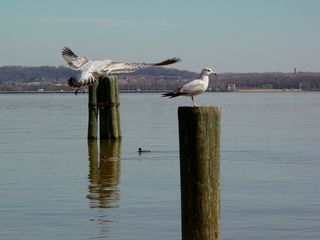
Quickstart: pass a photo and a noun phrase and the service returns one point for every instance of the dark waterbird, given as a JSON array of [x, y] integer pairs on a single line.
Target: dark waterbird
[[140, 150]]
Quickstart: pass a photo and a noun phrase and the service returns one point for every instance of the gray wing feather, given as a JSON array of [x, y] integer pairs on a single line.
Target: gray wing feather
[[73, 61], [122, 67]]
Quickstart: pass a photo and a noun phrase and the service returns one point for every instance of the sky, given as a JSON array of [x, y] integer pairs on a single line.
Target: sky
[[226, 35]]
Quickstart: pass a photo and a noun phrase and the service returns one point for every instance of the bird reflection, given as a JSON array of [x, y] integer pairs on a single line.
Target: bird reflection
[[104, 173]]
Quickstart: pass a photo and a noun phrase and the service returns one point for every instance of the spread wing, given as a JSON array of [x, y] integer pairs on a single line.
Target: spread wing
[[74, 62], [123, 67]]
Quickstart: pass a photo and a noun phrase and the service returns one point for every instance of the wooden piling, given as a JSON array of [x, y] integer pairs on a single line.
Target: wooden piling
[[199, 137], [93, 112], [108, 103], [117, 107]]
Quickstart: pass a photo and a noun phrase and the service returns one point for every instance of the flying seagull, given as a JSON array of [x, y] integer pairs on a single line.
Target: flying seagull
[[194, 87], [90, 71]]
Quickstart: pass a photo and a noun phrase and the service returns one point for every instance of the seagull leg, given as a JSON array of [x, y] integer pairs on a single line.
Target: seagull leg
[[193, 102], [76, 92]]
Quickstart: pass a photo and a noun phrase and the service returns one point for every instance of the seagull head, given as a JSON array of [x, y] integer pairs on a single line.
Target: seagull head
[[207, 71]]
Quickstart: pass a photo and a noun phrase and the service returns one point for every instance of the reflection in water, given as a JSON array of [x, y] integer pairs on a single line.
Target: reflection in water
[[103, 177]]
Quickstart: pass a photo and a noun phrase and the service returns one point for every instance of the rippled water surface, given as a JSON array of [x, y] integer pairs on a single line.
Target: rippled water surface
[[55, 184]]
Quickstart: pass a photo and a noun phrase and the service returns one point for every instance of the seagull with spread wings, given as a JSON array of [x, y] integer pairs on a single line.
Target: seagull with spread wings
[[194, 87], [90, 71]]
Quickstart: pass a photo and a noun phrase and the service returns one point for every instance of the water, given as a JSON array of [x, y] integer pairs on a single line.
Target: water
[[54, 185]]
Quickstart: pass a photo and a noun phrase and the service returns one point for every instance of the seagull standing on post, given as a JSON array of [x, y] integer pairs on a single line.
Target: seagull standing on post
[[194, 87], [90, 71]]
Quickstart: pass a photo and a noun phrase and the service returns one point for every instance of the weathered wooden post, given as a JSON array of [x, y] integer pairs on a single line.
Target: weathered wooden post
[[104, 102], [118, 107], [199, 137], [93, 112], [108, 103]]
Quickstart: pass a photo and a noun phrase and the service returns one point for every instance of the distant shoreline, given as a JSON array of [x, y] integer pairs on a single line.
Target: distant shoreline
[[270, 90], [159, 91]]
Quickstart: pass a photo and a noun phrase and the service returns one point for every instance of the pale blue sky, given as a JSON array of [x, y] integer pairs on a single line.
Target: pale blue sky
[[227, 35]]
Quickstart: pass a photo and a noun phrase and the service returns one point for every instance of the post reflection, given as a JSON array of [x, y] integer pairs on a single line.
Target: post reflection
[[104, 173]]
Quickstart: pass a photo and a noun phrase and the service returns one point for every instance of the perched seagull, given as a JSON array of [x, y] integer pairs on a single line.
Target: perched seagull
[[194, 87], [90, 71]]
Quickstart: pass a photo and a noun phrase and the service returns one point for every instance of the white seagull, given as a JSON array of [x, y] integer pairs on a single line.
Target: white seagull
[[90, 71], [194, 87]]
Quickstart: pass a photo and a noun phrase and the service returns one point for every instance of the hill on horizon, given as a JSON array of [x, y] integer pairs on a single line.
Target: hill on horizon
[[156, 78]]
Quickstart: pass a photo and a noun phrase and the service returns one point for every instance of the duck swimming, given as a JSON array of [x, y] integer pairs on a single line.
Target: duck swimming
[[143, 151]]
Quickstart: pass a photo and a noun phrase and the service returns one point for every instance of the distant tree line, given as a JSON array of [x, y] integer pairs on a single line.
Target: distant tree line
[[306, 81], [49, 78], [33, 74]]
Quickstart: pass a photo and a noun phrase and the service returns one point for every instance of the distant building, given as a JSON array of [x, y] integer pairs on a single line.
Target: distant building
[[231, 87], [267, 86]]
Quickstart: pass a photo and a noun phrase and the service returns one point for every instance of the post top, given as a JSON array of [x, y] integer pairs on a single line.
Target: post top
[[199, 109]]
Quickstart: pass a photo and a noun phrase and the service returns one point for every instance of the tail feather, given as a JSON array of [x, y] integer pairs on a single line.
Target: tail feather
[[167, 62], [173, 94], [74, 83]]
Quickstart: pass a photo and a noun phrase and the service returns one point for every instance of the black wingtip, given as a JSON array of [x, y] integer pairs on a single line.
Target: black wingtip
[[168, 62], [166, 94], [170, 94], [68, 51], [173, 94]]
